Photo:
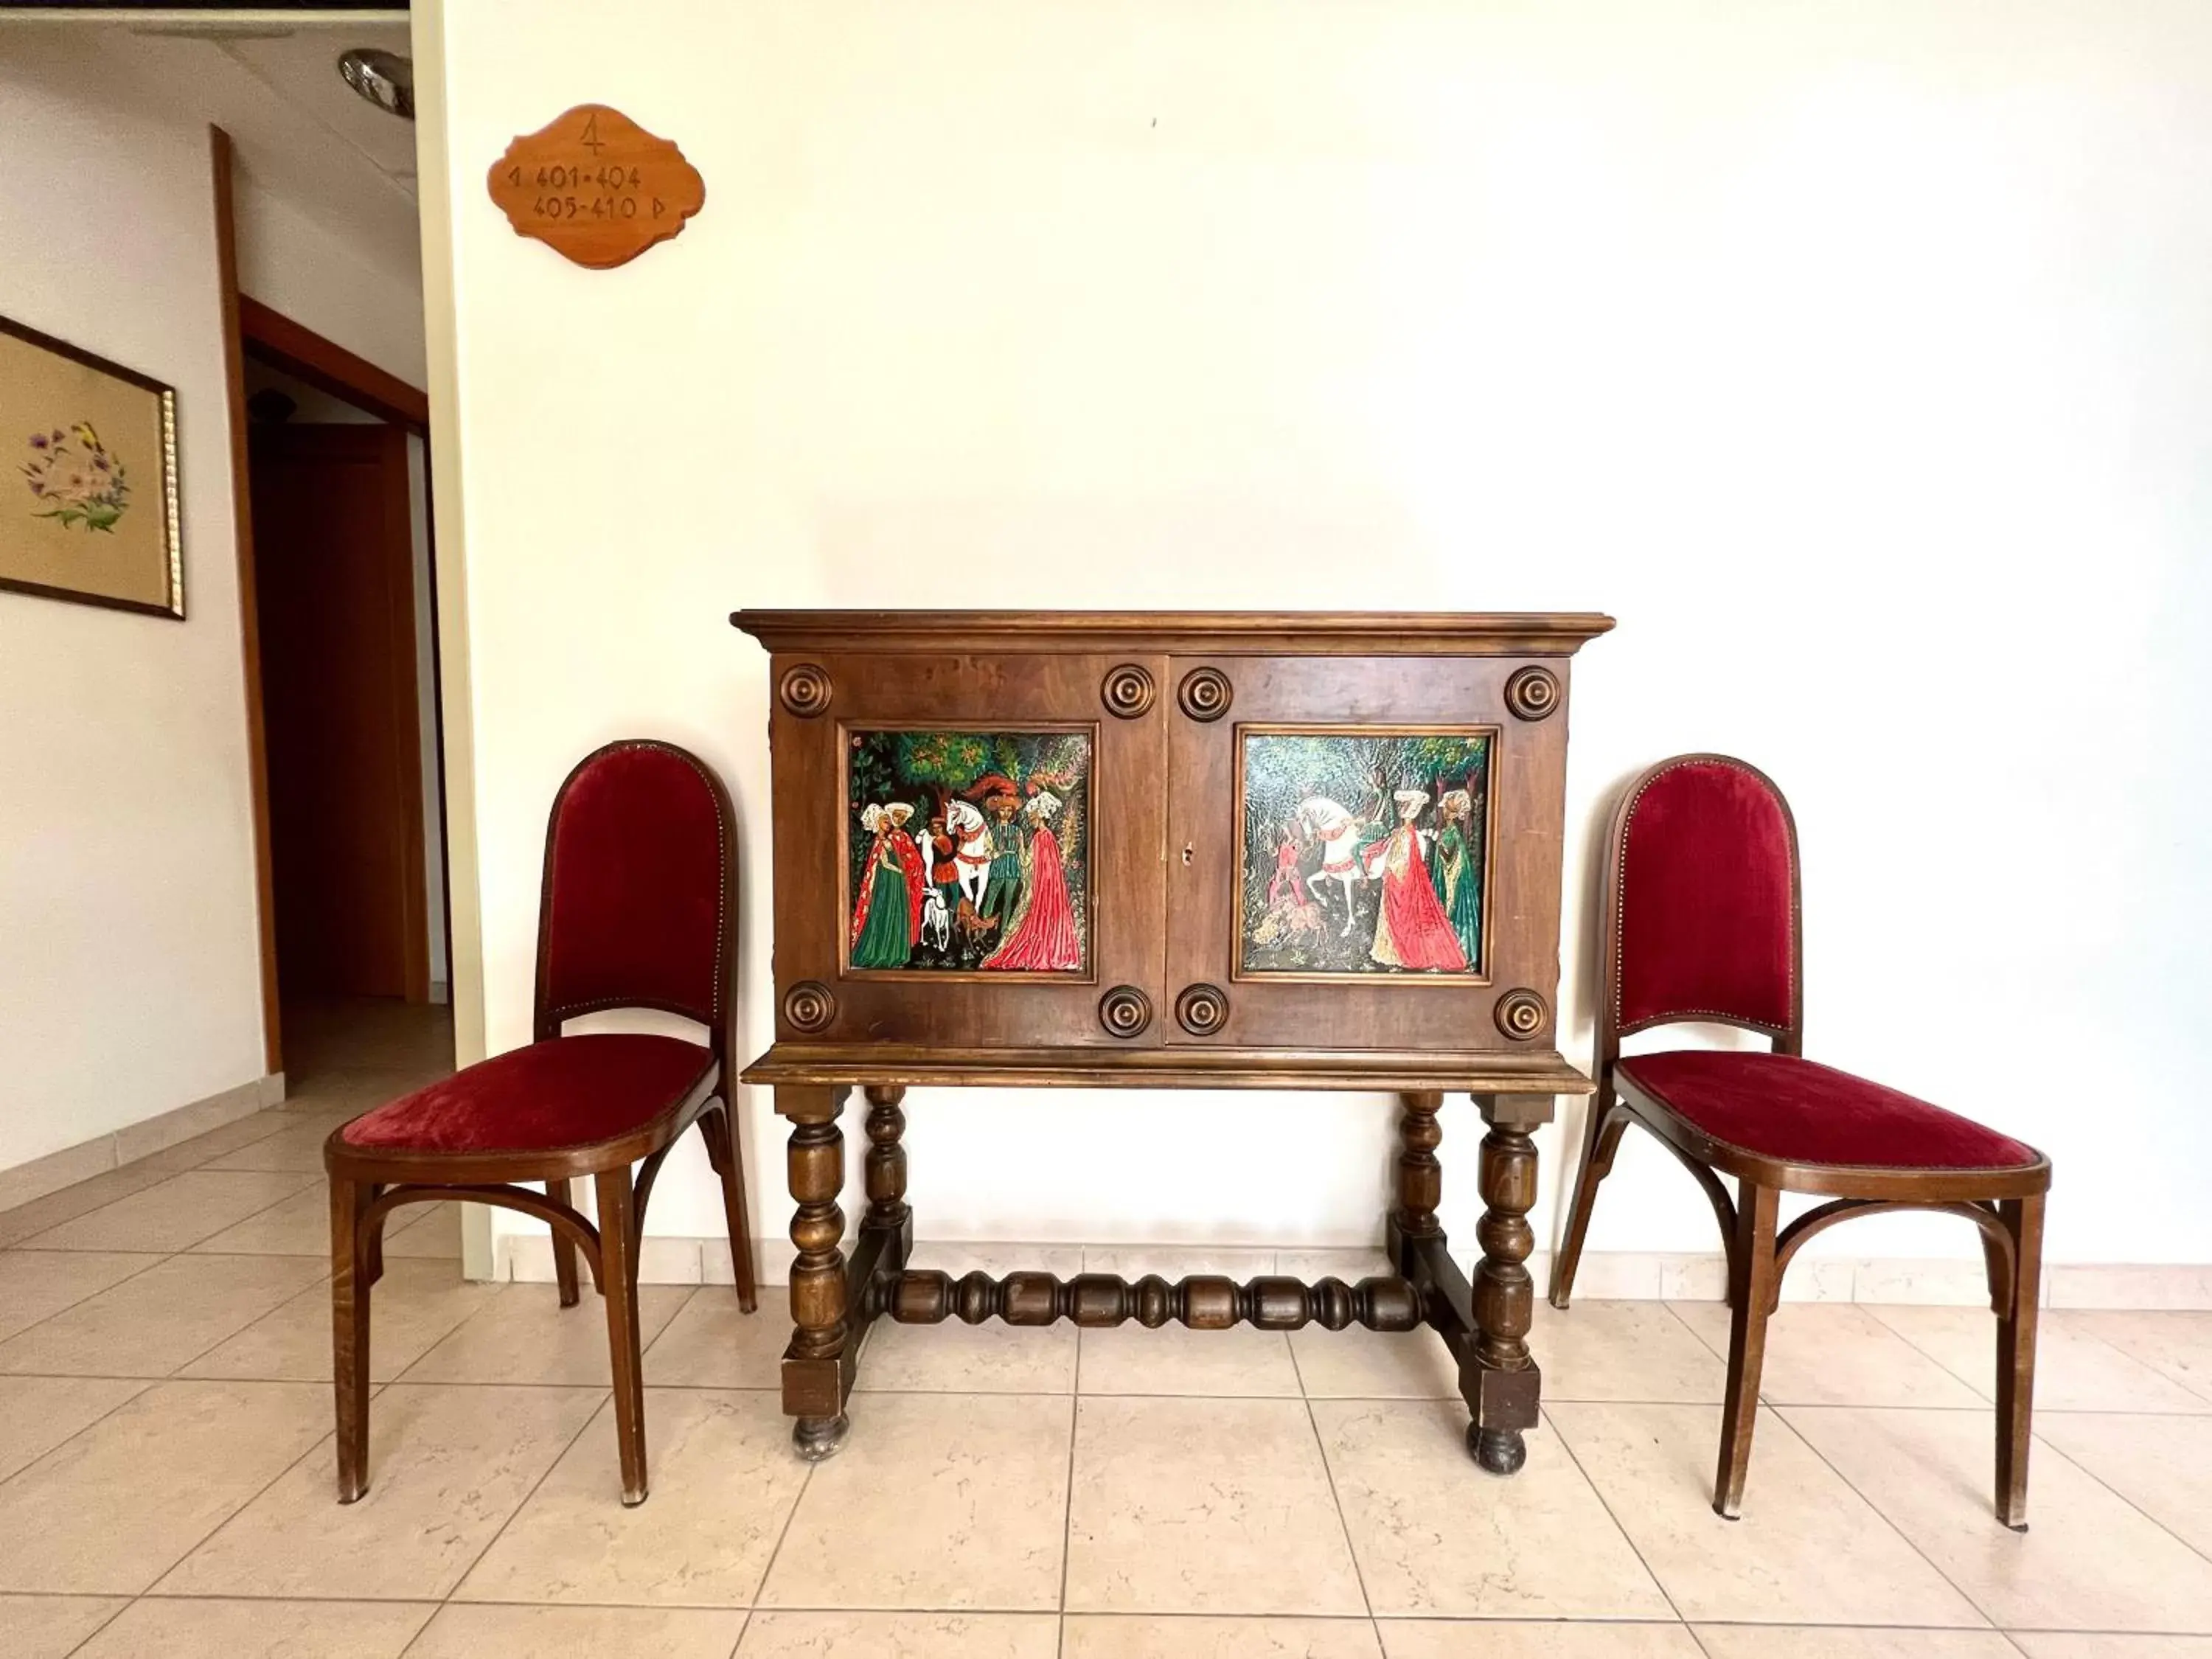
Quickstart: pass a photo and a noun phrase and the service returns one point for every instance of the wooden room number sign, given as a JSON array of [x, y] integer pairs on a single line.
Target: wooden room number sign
[[596, 187]]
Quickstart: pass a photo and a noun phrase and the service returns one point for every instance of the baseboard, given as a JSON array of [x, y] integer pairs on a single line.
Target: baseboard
[[1614, 1275], [41, 1176]]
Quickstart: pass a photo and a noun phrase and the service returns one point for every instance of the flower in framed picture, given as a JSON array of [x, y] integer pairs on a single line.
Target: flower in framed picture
[[91, 513], [74, 480]]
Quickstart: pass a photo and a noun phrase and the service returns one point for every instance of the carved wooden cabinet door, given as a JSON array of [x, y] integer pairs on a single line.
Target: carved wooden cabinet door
[[968, 847], [1338, 829]]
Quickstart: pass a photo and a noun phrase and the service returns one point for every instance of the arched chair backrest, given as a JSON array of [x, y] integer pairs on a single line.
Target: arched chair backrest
[[1701, 902], [640, 900]]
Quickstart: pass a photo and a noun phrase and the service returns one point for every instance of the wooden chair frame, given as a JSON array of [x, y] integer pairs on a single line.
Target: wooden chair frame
[[367, 1185], [2006, 1206]]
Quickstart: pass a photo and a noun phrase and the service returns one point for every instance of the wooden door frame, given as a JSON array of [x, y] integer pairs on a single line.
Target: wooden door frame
[[252, 329], [268, 335]]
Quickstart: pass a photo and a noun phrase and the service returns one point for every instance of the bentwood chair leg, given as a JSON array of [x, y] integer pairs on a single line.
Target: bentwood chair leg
[[372, 1257], [564, 1248], [350, 1282], [1752, 1286], [1600, 1140], [719, 1130], [618, 1284], [2016, 1322]]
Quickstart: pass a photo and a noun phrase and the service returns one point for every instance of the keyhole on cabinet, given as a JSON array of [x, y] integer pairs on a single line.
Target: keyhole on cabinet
[[1188, 849]]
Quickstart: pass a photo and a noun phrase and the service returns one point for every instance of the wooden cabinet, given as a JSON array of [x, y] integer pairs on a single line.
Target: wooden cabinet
[[1167, 849], [1199, 870]]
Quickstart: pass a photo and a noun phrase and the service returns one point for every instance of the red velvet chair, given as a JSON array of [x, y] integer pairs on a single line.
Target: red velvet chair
[[638, 910], [1701, 922]]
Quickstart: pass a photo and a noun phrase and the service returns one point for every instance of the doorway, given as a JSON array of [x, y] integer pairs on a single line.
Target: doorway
[[344, 591]]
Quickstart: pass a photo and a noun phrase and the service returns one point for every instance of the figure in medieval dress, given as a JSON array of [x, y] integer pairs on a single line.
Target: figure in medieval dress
[[938, 898], [1002, 893], [1286, 883], [1457, 873], [971, 852], [1040, 935], [887, 909], [1411, 928]]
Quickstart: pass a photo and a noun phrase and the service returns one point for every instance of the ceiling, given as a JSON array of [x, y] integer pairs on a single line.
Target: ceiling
[[301, 70], [299, 131]]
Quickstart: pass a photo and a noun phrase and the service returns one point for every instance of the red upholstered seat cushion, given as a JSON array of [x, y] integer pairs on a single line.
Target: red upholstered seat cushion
[[568, 1092], [1793, 1110]]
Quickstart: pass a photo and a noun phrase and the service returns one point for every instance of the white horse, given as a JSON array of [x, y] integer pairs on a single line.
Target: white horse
[[972, 851], [1340, 854]]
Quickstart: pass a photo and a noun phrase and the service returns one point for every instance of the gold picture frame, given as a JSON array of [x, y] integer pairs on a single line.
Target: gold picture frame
[[88, 505]]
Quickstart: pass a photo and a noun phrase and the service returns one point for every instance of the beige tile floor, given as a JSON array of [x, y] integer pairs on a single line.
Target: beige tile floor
[[165, 1470]]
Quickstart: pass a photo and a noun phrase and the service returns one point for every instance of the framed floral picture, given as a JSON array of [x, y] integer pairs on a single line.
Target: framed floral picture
[[89, 496]]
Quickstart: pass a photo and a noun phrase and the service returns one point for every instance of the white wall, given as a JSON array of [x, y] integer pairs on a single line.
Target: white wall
[[129, 955], [365, 295], [1854, 358]]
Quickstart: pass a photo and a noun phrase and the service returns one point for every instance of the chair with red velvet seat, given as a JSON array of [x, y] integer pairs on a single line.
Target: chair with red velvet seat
[[1701, 922], [638, 910]]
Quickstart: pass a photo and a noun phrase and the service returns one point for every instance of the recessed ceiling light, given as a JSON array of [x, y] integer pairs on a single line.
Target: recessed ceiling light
[[384, 78]]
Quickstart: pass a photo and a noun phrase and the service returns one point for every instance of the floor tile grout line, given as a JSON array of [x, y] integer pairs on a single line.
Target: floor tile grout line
[[435, 1609], [177, 1375], [605, 1403], [1851, 1486], [188, 1247], [2052, 1448], [1559, 1436], [1987, 1399], [30, 1240], [475, 1313], [151, 1385], [2059, 1452], [91, 1635], [159, 1259], [1329, 1473], [432, 1605], [2112, 1347], [151, 1378], [150, 1382], [253, 1497], [1598, 1620], [1067, 1508], [806, 1485]]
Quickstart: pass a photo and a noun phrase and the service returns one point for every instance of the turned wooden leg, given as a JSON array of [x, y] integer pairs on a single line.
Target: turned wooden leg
[[887, 1210], [1421, 1178], [1506, 1384], [719, 1131], [1753, 1283], [2023, 1219], [349, 1282], [1601, 1135], [564, 1248], [618, 1243], [817, 1369]]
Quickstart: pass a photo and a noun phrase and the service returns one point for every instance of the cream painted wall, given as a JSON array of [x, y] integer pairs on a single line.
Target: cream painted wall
[[365, 295], [1855, 358], [129, 957]]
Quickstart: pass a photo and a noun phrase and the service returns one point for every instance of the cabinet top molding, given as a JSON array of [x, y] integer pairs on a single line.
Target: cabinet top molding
[[1346, 633]]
